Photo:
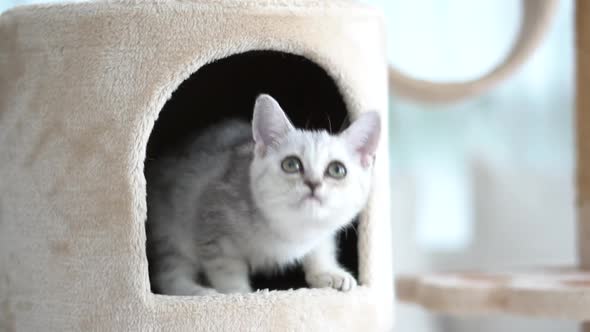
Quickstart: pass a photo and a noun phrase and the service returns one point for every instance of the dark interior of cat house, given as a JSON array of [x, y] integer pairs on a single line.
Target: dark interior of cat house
[[227, 88]]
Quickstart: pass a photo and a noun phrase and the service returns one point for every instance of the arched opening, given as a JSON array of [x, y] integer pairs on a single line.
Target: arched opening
[[227, 88]]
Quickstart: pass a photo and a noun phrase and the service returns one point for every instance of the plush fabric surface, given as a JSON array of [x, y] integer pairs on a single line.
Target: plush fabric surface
[[80, 88]]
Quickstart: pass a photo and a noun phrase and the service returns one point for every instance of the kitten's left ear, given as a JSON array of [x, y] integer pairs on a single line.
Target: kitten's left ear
[[363, 134]]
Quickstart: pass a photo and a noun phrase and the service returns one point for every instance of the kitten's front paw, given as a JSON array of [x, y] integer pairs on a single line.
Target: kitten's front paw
[[337, 279]]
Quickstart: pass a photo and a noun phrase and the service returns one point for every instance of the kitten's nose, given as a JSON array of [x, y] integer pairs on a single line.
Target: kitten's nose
[[312, 184]]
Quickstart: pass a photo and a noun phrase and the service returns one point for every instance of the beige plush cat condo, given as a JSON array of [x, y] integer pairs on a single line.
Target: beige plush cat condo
[[81, 87]]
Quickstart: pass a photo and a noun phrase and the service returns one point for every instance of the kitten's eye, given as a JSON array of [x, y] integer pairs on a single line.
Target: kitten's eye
[[292, 164], [336, 170]]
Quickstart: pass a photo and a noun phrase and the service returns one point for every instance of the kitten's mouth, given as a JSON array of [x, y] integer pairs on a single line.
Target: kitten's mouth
[[311, 198]]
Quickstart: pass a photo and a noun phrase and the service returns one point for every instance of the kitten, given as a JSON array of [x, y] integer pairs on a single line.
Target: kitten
[[257, 198]]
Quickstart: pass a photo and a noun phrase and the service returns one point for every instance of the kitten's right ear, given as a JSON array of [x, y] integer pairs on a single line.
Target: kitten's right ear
[[363, 135], [269, 122]]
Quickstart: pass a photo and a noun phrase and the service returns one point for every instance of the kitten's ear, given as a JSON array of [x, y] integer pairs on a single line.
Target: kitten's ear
[[363, 134], [269, 122]]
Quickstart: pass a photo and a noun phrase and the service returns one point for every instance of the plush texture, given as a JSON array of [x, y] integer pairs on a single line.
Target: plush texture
[[81, 86]]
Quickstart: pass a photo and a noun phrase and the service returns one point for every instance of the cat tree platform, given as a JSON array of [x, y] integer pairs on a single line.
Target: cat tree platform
[[559, 292]]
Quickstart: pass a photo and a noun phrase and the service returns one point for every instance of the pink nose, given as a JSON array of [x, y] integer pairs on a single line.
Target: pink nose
[[312, 184]]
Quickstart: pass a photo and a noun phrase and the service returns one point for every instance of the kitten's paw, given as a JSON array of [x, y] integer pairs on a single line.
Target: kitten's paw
[[337, 279]]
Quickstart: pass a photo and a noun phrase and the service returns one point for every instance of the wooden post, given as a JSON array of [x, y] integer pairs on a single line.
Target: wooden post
[[583, 129], [583, 132]]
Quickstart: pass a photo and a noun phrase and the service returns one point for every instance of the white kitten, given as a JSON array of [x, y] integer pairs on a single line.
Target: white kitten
[[231, 205]]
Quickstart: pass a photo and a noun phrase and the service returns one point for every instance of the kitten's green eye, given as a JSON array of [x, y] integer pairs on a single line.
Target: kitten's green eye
[[292, 164], [336, 170]]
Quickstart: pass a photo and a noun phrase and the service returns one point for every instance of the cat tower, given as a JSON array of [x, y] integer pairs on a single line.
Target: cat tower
[[81, 88]]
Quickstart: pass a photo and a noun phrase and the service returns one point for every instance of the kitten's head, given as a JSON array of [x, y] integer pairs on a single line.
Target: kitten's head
[[310, 179]]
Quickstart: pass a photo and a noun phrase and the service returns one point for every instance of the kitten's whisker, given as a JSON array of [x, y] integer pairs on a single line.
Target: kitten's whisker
[[353, 226], [345, 227], [307, 121], [344, 121], [329, 122]]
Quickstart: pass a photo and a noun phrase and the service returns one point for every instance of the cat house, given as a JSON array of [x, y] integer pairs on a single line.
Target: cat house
[[92, 91]]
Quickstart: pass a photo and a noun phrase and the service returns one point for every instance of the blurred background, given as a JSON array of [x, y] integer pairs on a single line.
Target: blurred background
[[487, 183]]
